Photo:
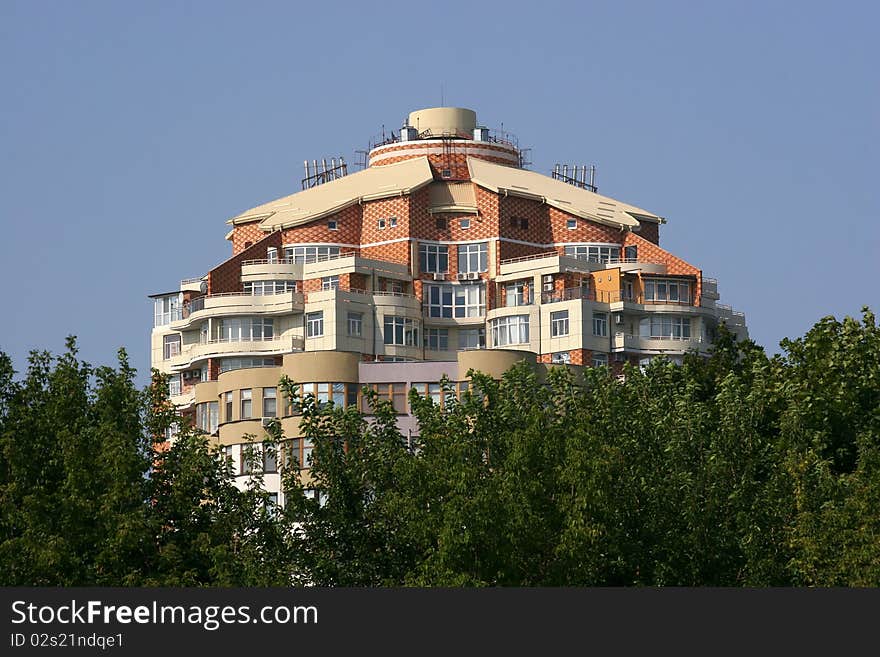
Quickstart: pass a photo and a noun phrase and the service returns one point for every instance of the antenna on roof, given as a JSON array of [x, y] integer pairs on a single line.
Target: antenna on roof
[[316, 176], [442, 96], [577, 176]]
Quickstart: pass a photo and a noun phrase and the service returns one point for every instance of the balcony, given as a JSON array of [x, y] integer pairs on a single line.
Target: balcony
[[710, 288], [568, 294], [544, 263], [275, 268], [657, 344], [350, 263], [212, 348], [731, 317], [238, 303]]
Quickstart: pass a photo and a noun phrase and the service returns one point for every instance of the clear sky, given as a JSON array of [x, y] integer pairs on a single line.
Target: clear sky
[[130, 132]]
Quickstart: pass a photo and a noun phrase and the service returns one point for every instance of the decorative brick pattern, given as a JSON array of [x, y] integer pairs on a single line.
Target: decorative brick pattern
[[244, 235], [226, 277], [675, 266]]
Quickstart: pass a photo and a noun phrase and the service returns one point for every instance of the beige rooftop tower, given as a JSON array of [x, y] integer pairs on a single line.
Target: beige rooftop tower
[[444, 120]]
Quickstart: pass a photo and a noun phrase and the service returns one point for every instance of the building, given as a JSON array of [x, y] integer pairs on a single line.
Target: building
[[443, 253]]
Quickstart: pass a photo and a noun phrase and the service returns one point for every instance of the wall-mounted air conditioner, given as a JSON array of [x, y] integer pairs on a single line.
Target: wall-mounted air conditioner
[[266, 421], [473, 276], [462, 276], [618, 318], [439, 277], [547, 278]]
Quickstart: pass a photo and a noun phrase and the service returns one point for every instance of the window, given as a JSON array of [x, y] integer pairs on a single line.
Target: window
[[389, 392], [303, 254], [600, 360], [464, 223], [571, 224], [174, 385], [401, 331], [559, 324], [315, 324], [257, 288], [596, 253], [665, 326], [330, 283], [166, 309], [380, 224], [392, 222], [270, 462], [631, 253], [510, 330], [272, 254], [440, 223], [228, 364], [393, 286], [519, 222], [600, 324], [515, 294], [434, 258], [206, 417], [246, 403], [270, 406], [667, 291], [171, 346], [235, 329], [333, 224], [474, 338], [227, 401], [226, 455], [560, 358], [437, 339], [355, 324], [446, 173], [473, 257], [307, 447], [449, 300]]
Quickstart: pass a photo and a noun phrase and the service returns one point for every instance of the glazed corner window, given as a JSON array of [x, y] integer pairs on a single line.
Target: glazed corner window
[[473, 257], [315, 324], [171, 346], [247, 402], [600, 360], [571, 224], [513, 329], [465, 223], [166, 309], [559, 324], [270, 407], [600, 324], [330, 283], [333, 224], [355, 324]]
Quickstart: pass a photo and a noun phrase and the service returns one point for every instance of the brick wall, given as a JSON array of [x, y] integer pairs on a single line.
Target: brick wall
[[650, 231], [674, 265], [348, 221], [244, 235], [226, 277]]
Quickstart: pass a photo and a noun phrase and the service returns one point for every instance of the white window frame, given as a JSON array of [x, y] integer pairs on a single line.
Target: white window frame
[[599, 359], [400, 331], [246, 403], [669, 327], [473, 257], [471, 338], [600, 324], [332, 224], [600, 252], [355, 322], [315, 324], [450, 300], [433, 258], [559, 323], [329, 282], [464, 223], [306, 253], [510, 330], [172, 347], [437, 339], [662, 290], [571, 224]]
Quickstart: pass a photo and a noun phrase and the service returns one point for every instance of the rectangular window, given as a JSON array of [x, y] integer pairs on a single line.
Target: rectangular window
[[437, 339], [174, 385], [464, 223], [330, 283], [559, 324], [447, 301], [513, 329], [600, 324], [440, 223], [597, 253], [247, 403], [401, 331], [571, 224], [434, 258], [392, 222], [315, 324], [600, 360], [229, 364], [380, 224], [631, 253], [270, 462], [171, 346], [519, 222], [257, 288], [474, 338], [665, 326], [473, 257], [355, 324], [206, 417], [667, 291], [270, 405], [227, 402], [304, 254], [515, 294], [560, 358], [272, 254], [235, 329], [332, 224]]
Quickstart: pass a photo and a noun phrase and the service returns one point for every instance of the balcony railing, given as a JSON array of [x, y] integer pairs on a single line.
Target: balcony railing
[[570, 293], [198, 303]]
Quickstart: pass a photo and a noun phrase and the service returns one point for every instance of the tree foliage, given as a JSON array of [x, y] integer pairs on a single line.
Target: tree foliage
[[737, 470]]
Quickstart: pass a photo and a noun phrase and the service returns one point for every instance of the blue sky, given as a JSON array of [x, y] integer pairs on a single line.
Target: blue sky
[[130, 132]]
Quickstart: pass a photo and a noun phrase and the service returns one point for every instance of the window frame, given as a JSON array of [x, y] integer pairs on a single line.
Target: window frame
[[315, 324]]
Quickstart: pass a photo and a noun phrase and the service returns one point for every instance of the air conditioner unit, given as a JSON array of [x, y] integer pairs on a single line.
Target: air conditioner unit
[[618, 318], [547, 278], [439, 277], [548, 287], [266, 421], [473, 276], [192, 374], [462, 276]]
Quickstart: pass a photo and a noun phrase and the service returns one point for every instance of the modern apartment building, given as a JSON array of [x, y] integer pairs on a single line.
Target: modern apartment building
[[443, 254]]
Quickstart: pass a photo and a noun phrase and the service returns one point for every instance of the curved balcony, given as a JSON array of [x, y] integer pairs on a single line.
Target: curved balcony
[[657, 344], [249, 347], [238, 303]]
